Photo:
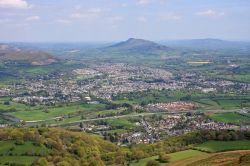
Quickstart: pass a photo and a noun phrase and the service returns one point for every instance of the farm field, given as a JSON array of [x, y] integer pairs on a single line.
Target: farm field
[[50, 112], [220, 146], [26, 160], [229, 117], [231, 158], [7, 105], [173, 157], [23, 154]]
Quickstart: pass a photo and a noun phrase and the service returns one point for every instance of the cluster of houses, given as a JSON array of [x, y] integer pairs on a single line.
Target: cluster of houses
[[172, 106], [107, 80], [170, 125]]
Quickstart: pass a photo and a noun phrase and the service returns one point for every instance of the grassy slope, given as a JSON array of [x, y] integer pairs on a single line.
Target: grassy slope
[[10, 152], [55, 111], [231, 158], [229, 117], [173, 157], [219, 146]]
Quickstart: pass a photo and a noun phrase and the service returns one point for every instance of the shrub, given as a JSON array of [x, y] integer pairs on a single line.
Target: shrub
[[152, 163], [164, 158]]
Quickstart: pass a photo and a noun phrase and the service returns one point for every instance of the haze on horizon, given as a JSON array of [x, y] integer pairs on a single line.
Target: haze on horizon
[[111, 20]]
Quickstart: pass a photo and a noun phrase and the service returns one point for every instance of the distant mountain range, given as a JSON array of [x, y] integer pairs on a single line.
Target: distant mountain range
[[137, 46], [213, 44], [41, 53], [34, 57]]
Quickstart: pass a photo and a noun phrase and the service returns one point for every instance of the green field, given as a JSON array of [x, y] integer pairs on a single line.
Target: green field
[[21, 154], [13, 105], [120, 124], [173, 157], [41, 114], [229, 117], [220, 146], [26, 160], [204, 100]]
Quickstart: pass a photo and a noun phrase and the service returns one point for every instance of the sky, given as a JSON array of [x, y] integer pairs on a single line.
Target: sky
[[115, 20]]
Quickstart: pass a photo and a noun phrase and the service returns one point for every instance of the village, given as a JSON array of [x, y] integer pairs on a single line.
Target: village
[[147, 130], [107, 80]]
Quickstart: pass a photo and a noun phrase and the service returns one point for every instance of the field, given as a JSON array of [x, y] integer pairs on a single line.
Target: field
[[220, 146], [229, 117], [11, 106], [24, 154], [26, 160], [120, 123], [50, 112], [173, 157], [232, 158]]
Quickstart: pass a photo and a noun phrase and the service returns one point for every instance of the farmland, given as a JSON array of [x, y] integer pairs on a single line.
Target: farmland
[[220, 146], [173, 157], [24, 153], [230, 117]]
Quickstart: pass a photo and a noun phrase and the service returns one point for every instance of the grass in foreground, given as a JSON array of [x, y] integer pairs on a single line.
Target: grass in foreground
[[21, 154], [173, 157], [220, 146]]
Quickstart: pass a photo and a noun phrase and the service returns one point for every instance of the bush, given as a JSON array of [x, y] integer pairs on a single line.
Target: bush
[[164, 158], [152, 163], [6, 103]]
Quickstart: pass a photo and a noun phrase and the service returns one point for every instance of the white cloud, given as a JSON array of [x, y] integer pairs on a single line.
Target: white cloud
[[93, 12], [142, 19], [170, 16], [4, 20], [124, 5], [115, 19], [17, 4], [143, 2], [210, 13], [33, 18], [63, 21]]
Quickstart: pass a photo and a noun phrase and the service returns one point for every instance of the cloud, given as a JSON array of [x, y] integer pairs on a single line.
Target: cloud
[[143, 2], [170, 16], [142, 19], [4, 20], [124, 5], [115, 19], [16, 4], [210, 13], [63, 21], [33, 18], [93, 12]]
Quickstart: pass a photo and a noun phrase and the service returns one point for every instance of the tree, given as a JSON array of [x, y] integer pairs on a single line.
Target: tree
[[41, 162], [137, 154], [6, 103], [81, 125], [152, 163], [63, 163], [164, 158]]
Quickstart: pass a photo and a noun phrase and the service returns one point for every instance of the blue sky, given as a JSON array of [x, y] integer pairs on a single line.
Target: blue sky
[[113, 20]]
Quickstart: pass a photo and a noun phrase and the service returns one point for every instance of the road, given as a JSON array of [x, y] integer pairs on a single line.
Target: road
[[124, 116], [104, 118]]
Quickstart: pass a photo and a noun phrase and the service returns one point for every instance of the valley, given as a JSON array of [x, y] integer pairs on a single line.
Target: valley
[[130, 98]]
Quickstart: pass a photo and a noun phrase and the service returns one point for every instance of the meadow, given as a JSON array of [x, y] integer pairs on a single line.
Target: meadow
[[221, 146], [173, 157], [230, 117], [56, 111], [25, 153]]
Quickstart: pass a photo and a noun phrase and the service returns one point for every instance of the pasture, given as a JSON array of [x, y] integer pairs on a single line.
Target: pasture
[[221, 146]]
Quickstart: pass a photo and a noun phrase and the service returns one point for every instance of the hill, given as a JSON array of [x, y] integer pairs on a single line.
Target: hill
[[209, 43], [138, 46], [55, 146], [34, 57]]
